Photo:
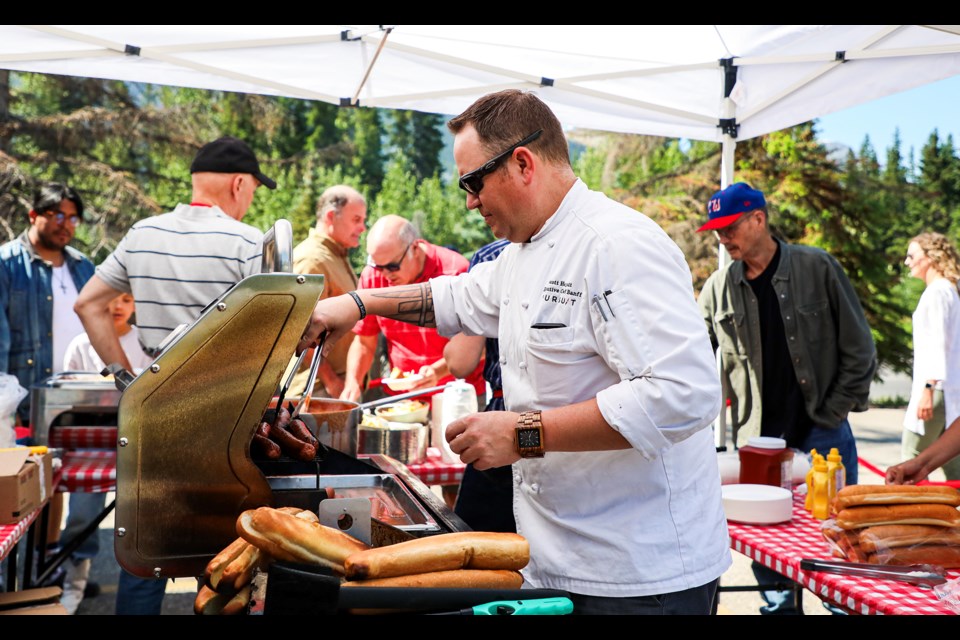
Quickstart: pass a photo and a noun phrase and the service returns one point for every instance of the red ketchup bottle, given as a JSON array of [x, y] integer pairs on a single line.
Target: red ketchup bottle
[[766, 461]]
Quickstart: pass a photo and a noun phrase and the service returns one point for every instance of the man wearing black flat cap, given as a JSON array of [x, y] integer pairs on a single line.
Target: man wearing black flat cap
[[796, 350], [174, 265]]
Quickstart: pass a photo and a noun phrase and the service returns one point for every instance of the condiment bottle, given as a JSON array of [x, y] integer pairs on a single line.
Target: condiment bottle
[[836, 471], [821, 486], [808, 501], [766, 461], [459, 401]]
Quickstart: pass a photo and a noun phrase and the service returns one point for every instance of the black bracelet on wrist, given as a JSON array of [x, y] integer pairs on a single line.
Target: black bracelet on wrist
[[356, 298], [928, 386]]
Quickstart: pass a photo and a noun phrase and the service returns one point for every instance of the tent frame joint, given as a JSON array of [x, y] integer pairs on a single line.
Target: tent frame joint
[[131, 50], [730, 127]]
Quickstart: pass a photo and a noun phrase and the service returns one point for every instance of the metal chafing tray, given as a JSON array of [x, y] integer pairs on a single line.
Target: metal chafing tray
[[69, 398]]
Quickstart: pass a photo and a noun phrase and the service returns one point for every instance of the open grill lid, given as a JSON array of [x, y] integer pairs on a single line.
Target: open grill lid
[[184, 470]]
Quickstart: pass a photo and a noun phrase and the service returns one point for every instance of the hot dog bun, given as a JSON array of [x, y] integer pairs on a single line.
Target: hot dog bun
[[933, 514], [287, 537], [889, 536], [442, 552], [867, 494], [945, 556], [457, 579], [214, 569]]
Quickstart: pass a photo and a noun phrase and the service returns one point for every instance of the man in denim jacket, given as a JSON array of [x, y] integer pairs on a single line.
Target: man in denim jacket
[[795, 348], [40, 276]]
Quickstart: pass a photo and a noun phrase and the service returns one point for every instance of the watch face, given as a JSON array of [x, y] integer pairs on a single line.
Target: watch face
[[528, 438]]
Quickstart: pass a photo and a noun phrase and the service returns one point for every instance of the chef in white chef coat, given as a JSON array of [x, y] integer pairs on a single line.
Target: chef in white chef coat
[[609, 379]]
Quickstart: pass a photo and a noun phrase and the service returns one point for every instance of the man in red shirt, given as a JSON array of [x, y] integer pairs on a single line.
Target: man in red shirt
[[397, 255]]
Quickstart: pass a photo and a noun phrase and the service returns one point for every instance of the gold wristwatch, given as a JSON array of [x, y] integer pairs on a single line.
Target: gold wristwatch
[[529, 436]]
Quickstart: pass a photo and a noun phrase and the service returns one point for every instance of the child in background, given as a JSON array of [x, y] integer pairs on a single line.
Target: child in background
[[81, 356], [85, 507]]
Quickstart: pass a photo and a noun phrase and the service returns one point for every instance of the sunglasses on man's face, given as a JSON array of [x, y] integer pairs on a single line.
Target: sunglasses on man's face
[[54, 214], [472, 182], [392, 267]]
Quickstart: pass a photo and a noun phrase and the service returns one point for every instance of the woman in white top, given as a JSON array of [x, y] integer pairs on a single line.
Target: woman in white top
[[935, 395]]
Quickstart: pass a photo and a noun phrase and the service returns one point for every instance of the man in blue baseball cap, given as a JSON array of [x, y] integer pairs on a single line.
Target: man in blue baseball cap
[[796, 351]]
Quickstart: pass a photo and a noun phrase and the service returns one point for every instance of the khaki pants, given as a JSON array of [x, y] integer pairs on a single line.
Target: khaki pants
[[912, 444]]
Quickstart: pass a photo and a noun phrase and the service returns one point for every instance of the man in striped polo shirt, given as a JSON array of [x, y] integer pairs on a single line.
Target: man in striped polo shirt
[[174, 265]]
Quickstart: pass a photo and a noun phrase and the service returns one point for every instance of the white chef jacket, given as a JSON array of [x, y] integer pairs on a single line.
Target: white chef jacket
[[936, 350], [641, 521]]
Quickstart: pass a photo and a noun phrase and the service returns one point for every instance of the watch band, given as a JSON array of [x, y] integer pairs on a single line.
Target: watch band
[[529, 435]]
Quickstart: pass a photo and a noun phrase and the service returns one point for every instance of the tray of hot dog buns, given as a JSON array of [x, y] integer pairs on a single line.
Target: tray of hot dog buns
[[896, 525], [288, 561]]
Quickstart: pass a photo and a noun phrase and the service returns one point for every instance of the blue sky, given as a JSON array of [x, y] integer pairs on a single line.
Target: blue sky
[[916, 112]]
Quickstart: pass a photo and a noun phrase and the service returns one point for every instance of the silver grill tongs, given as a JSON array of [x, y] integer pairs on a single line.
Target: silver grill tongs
[[311, 379], [926, 576]]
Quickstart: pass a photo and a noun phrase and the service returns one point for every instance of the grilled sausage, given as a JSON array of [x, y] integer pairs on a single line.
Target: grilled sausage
[[291, 445], [267, 447], [299, 429]]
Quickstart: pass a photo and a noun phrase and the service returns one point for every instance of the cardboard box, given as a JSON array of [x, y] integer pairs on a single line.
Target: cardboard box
[[26, 483]]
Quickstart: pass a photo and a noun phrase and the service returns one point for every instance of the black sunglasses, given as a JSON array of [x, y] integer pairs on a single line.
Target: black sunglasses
[[392, 267], [472, 182]]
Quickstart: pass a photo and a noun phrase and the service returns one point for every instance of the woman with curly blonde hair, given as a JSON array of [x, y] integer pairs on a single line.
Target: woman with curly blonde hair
[[935, 395]]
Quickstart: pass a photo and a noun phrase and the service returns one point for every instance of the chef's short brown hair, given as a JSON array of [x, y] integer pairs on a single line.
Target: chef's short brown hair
[[504, 117]]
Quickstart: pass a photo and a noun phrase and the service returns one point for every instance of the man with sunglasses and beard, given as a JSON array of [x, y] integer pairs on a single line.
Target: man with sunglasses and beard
[[397, 255], [609, 382]]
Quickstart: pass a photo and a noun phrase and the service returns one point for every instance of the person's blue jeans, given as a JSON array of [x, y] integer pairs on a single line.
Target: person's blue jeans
[[139, 596], [84, 509], [821, 439]]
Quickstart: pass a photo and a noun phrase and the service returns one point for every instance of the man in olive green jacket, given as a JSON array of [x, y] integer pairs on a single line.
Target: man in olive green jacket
[[795, 349]]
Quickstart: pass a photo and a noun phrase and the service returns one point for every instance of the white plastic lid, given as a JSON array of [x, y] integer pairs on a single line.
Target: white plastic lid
[[766, 442]]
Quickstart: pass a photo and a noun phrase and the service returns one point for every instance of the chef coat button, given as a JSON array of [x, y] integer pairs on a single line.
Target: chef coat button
[[524, 304], [550, 244], [503, 361], [506, 301], [522, 365], [535, 487]]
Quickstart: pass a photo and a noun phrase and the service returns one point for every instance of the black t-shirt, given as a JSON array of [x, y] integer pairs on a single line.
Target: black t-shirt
[[784, 414]]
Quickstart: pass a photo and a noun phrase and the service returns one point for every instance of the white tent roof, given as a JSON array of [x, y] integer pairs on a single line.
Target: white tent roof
[[658, 80]]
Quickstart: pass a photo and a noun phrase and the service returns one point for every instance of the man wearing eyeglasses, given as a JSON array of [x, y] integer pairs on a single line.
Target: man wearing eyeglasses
[[397, 255], [39, 280], [795, 348], [609, 383]]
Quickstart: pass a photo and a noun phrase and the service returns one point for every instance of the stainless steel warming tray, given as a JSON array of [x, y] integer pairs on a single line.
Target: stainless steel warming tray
[[185, 469]]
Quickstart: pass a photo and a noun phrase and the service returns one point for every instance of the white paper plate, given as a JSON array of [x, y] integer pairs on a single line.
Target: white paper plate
[[403, 384], [757, 503]]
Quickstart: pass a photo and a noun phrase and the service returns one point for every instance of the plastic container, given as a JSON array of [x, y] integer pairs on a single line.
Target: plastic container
[[808, 501], [766, 461], [821, 487], [836, 472], [459, 400]]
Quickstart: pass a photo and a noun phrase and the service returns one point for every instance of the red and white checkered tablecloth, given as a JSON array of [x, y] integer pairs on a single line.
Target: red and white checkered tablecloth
[[434, 470], [10, 534], [83, 437], [93, 471], [782, 546]]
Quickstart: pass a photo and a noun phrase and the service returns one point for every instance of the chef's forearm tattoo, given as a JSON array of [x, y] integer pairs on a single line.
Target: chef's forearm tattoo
[[414, 304]]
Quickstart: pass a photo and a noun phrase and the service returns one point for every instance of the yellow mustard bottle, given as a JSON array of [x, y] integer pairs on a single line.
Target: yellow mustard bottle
[[821, 486], [808, 501], [837, 473]]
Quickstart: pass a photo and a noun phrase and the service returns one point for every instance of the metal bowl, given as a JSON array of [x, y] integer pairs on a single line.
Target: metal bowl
[[406, 443]]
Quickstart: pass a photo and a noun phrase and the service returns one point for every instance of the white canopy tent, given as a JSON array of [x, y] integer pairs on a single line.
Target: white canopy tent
[[706, 82]]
